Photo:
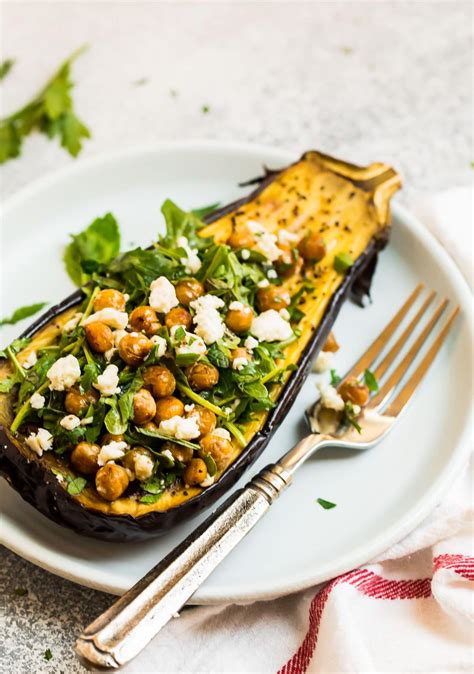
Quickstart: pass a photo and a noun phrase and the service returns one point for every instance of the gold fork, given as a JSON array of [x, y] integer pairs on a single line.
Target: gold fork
[[122, 631]]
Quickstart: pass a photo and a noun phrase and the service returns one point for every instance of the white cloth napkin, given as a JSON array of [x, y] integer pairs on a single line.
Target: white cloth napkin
[[410, 610]]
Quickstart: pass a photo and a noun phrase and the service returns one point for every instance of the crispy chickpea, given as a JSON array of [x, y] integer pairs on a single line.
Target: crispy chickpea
[[111, 481], [178, 316], [331, 343], [109, 298], [205, 419], [144, 406], [202, 376], [168, 407], [195, 472], [240, 352], [312, 247], [354, 392], [239, 320], [144, 319], [134, 348], [288, 263], [107, 438], [241, 237], [84, 458], [218, 447], [99, 337], [130, 462], [183, 454], [188, 290], [160, 380], [77, 403], [272, 297]]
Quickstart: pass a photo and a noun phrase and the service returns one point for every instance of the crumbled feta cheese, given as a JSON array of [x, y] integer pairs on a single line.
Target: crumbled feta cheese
[[265, 242], [222, 433], [244, 254], [40, 441], [126, 297], [107, 382], [191, 261], [284, 313], [269, 326], [323, 362], [108, 355], [118, 336], [72, 323], [30, 360], [180, 428], [271, 273], [208, 321], [356, 409], [189, 408], [70, 422], [64, 373], [113, 450], [236, 306], [240, 362], [87, 421], [143, 465], [162, 295], [190, 343], [110, 316], [168, 454], [208, 480], [37, 401], [227, 410], [264, 283], [287, 238], [160, 343], [251, 343], [330, 397]]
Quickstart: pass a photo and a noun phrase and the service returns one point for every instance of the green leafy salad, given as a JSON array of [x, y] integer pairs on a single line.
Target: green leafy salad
[[150, 379]]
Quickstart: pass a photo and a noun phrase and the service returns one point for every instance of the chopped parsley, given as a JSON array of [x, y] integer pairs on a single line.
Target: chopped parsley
[[335, 378], [47, 654], [205, 109], [371, 381], [5, 67], [327, 505], [20, 591], [343, 262]]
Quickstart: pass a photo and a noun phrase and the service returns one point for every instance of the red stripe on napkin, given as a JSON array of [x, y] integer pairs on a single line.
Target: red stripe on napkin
[[460, 564]]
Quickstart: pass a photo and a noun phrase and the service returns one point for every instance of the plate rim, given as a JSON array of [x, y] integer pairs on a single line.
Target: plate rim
[[50, 560]]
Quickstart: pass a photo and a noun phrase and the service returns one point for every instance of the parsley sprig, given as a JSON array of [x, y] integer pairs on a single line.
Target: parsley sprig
[[50, 112]]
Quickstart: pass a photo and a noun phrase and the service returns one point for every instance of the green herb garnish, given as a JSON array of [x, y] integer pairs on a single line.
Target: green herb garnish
[[151, 498], [75, 485], [5, 67], [205, 109], [327, 505], [350, 417], [371, 381], [47, 654], [23, 312], [51, 112], [335, 378], [343, 262]]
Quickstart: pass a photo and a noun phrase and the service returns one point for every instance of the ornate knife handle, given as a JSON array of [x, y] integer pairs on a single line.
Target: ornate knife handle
[[122, 631]]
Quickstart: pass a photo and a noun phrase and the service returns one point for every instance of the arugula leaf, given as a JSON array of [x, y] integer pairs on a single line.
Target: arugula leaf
[[217, 356], [15, 346], [50, 112], [5, 67], [371, 381], [162, 436], [180, 223], [152, 486], [97, 245], [75, 485], [23, 312], [8, 383], [327, 505], [343, 262], [204, 210], [350, 417], [90, 373], [151, 498]]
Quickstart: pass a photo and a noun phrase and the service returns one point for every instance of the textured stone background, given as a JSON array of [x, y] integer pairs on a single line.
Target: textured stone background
[[364, 80]]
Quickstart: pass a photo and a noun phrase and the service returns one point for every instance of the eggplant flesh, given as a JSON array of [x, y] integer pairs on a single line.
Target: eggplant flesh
[[349, 205]]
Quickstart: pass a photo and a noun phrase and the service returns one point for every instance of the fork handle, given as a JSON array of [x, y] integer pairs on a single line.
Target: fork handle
[[122, 631]]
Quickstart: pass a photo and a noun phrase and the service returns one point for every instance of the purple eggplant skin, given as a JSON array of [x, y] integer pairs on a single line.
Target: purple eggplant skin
[[39, 487]]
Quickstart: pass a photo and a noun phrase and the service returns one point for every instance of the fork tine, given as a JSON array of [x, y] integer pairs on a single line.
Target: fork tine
[[378, 344], [401, 369], [390, 357], [407, 391]]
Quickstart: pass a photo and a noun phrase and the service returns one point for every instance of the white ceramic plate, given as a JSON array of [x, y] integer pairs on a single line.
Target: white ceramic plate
[[381, 495]]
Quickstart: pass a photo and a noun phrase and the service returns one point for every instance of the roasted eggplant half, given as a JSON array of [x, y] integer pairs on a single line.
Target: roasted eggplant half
[[141, 398]]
